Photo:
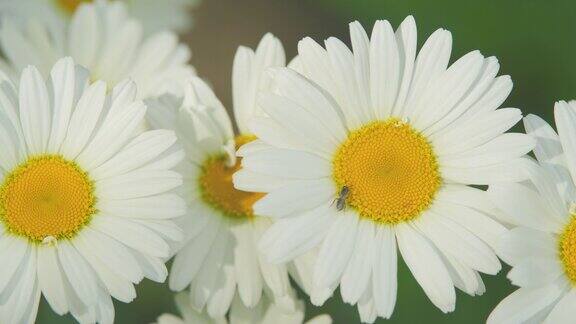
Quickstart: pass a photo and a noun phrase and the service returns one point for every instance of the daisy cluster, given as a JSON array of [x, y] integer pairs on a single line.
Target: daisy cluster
[[117, 158]]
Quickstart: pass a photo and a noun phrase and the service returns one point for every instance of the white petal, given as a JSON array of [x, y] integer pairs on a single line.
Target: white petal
[[288, 163], [357, 274], [206, 283], [131, 234], [190, 258], [441, 97], [451, 238], [427, 268], [84, 119], [524, 303], [295, 197], [406, 37], [50, 279], [524, 243], [288, 238], [15, 251], [313, 100], [535, 272], [136, 184], [115, 131], [84, 36], [255, 182], [565, 116], [163, 206], [62, 80], [247, 271], [564, 311], [466, 136], [384, 68], [548, 147], [343, 72], [432, 60], [336, 250], [275, 275], [140, 151], [477, 90], [241, 72], [509, 171], [524, 206], [34, 110], [110, 252], [476, 222], [307, 128], [79, 273], [498, 150], [219, 303], [384, 275]]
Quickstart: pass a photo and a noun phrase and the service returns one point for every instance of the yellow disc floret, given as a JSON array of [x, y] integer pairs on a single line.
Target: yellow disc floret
[[567, 247], [218, 190], [46, 197], [390, 170], [69, 6]]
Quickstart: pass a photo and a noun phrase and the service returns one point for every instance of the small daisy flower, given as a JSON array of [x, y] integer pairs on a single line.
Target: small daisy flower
[[264, 313], [542, 247], [85, 203], [155, 15], [372, 150], [102, 37], [219, 255]]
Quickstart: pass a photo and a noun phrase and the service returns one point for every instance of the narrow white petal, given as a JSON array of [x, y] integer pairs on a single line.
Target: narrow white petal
[[295, 197], [357, 275], [524, 303], [564, 311], [427, 268], [565, 116], [288, 163], [35, 114], [247, 271], [50, 279], [524, 206], [384, 275], [336, 249]]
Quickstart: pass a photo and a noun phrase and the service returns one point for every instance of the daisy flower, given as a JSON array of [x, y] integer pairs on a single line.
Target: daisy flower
[[219, 255], [372, 150], [264, 313], [542, 247], [102, 37], [155, 15], [85, 203]]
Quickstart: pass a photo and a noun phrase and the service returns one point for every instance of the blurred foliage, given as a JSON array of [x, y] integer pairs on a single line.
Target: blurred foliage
[[535, 42]]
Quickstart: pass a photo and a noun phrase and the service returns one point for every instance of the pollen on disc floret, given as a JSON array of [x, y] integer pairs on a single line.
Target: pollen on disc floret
[[47, 196], [567, 249], [390, 169], [218, 190]]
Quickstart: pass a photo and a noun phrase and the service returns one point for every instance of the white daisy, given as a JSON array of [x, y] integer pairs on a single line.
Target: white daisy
[[220, 255], [264, 313], [376, 148], [155, 15], [85, 207], [542, 246], [102, 37]]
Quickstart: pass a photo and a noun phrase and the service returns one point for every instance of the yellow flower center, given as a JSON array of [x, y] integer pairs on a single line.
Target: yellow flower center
[[69, 6], [567, 247], [46, 197], [390, 170], [218, 190]]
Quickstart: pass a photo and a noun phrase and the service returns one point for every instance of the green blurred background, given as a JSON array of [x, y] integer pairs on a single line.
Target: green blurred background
[[534, 41]]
